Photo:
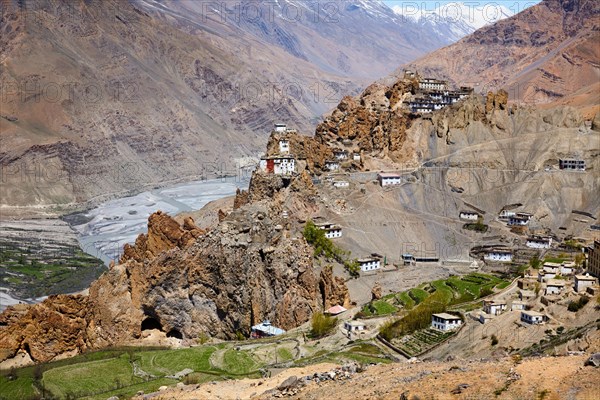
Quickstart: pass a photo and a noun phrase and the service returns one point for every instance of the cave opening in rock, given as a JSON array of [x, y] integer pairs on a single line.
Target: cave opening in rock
[[27, 349], [175, 334], [151, 323]]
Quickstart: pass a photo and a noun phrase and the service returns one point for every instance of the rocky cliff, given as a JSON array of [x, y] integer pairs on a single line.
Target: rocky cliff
[[186, 282], [547, 54]]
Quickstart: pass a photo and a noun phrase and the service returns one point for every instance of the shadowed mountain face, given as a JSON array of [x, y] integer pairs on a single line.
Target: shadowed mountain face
[[106, 98], [547, 54]]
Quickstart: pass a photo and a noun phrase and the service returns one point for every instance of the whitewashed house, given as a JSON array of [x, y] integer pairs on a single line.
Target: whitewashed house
[[506, 214], [499, 255], [551, 267], [331, 231], [518, 305], [284, 146], [445, 322], [494, 307], [354, 326], [571, 164], [356, 157], [278, 165], [341, 184], [545, 276], [567, 268], [432, 84], [369, 264], [389, 179], [340, 154], [280, 128], [515, 220], [332, 165], [584, 281], [469, 215], [532, 317], [539, 242], [554, 286]]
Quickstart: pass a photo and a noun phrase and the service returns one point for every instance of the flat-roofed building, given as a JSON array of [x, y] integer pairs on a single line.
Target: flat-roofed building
[[389, 179], [532, 317], [369, 264], [445, 322], [584, 281]]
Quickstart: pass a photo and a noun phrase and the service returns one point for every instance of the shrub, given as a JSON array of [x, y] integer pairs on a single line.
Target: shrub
[[494, 340], [321, 325], [575, 306]]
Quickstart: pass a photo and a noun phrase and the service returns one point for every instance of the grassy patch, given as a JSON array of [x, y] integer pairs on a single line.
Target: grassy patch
[[239, 362], [90, 378]]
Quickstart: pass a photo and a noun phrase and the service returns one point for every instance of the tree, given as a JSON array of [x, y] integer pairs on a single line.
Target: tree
[[537, 288], [321, 325], [535, 261]]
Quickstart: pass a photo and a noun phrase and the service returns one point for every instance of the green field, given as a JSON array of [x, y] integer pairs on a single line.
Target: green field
[[38, 267], [123, 372], [437, 296]]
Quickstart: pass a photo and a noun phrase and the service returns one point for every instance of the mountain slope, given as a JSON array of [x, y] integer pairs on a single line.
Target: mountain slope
[[455, 20], [106, 98], [547, 54]]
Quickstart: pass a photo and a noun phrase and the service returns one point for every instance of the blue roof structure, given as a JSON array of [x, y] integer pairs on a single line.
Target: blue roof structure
[[266, 328]]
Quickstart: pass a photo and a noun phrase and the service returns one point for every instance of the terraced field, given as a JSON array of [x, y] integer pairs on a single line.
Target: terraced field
[[452, 291], [420, 303], [421, 341]]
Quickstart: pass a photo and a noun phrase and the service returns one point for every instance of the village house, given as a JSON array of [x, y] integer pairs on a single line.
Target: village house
[[567, 268], [335, 310], [284, 146], [593, 264], [552, 267], [369, 264], [341, 184], [354, 326], [432, 84], [445, 322], [506, 214], [500, 255], [332, 165], [518, 305], [493, 307], [525, 215], [280, 128], [409, 259], [584, 281], [469, 215], [484, 317], [545, 276], [516, 220], [265, 329], [526, 294], [389, 179], [340, 154], [331, 231], [278, 165], [571, 164], [356, 157], [532, 317], [554, 286], [539, 242]]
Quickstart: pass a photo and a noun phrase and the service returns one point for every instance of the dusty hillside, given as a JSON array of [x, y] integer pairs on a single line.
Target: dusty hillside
[[545, 54], [105, 98], [552, 378]]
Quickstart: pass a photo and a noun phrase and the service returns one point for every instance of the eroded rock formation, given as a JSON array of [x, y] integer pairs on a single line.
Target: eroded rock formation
[[186, 282]]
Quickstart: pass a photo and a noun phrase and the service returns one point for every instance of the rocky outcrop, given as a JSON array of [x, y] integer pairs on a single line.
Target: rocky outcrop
[[373, 123], [163, 234], [186, 282], [333, 289], [46, 330], [596, 123]]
